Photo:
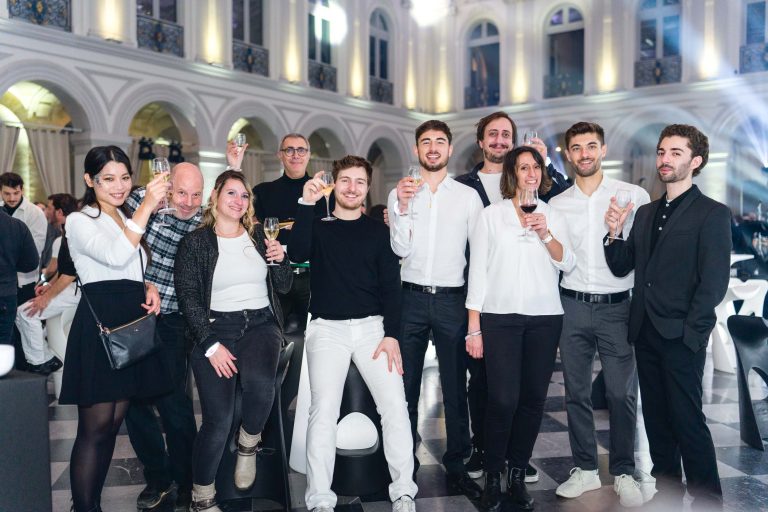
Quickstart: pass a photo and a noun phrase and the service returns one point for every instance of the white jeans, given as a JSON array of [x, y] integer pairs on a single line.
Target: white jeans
[[330, 345], [35, 347]]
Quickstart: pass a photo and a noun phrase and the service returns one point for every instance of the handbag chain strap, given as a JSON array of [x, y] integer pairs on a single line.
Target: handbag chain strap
[[101, 327]]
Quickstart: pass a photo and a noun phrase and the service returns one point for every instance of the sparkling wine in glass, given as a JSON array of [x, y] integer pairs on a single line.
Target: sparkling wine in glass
[[271, 230], [414, 171], [529, 199], [161, 167], [528, 136], [240, 142], [327, 179], [623, 198]]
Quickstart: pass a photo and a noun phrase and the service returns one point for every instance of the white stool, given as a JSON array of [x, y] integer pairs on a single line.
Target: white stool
[[752, 292]]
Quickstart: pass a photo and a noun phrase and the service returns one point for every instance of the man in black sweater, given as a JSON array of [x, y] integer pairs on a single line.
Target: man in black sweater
[[355, 307], [17, 254]]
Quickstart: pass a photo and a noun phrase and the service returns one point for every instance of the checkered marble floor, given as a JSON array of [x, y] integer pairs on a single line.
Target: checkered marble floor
[[744, 471]]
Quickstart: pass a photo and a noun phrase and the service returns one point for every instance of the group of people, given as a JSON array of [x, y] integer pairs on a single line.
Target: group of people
[[496, 280]]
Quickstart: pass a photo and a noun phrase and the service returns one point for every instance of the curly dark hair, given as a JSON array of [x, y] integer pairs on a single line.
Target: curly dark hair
[[698, 143]]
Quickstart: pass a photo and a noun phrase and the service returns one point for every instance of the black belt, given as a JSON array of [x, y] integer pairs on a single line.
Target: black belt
[[299, 270], [596, 298], [432, 289]]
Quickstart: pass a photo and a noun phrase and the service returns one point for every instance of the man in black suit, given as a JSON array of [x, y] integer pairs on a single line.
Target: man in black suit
[[680, 249]]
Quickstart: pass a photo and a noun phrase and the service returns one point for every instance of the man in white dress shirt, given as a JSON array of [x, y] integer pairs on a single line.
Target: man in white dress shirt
[[596, 305], [429, 228], [18, 207]]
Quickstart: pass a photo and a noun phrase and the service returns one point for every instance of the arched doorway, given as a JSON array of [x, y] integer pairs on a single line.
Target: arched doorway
[[325, 147], [388, 168], [260, 158]]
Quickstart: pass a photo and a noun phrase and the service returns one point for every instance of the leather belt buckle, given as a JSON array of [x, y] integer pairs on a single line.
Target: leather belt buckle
[[430, 289]]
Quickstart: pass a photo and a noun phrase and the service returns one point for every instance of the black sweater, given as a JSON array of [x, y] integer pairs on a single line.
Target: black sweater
[[17, 253], [193, 277], [354, 274]]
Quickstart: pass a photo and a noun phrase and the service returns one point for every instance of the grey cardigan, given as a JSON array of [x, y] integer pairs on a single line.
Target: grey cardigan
[[193, 277]]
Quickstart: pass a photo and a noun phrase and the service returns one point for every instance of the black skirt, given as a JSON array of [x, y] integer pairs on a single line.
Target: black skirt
[[88, 378]]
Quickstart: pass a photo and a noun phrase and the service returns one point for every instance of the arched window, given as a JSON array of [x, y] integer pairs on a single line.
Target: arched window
[[248, 52], [321, 73], [659, 42], [483, 80], [565, 53], [752, 55], [378, 59], [158, 27]]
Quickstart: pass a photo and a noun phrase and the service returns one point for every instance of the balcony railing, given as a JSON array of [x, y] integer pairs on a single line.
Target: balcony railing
[[380, 90], [557, 86], [322, 76], [251, 58], [50, 13], [753, 57], [475, 97], [160, 36], [666, 70]]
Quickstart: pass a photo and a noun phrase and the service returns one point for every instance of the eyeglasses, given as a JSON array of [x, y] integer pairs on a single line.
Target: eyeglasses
[[291, 150]]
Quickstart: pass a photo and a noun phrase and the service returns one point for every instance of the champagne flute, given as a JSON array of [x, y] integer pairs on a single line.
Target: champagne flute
[[327, 179], [529, 199], [161, 167], [528, 136], [623, 197], [240, 142], [414, 171], [271, 230]]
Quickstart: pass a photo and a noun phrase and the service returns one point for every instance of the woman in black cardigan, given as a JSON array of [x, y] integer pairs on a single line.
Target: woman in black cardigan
[[227, 293]]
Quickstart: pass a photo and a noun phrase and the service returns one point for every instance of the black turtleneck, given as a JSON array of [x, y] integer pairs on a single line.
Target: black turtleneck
[[11, 209]]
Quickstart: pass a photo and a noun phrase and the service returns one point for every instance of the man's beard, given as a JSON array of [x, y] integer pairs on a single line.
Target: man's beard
[[433, 168], [674, 176], [494, 159], [588, 172]]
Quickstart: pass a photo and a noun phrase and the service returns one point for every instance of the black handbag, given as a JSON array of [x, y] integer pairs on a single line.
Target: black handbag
[[129, 343]]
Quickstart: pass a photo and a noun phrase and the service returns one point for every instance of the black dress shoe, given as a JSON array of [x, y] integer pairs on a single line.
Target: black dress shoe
[[153, 495], [518, 494], [465, 485], [474, 465], [491, 501], [47, 367]]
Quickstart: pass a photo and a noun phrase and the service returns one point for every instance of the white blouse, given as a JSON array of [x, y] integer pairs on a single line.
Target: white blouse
[[100, 249], [510, 275]]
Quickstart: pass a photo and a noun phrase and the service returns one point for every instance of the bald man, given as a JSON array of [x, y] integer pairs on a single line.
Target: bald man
[[168, 464]]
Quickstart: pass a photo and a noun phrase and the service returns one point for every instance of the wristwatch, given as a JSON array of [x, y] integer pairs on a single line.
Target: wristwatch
[[547, 238]]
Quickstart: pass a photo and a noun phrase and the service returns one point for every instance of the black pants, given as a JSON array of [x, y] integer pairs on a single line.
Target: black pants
[[477, 396], [23, 294], [446, 317], [7, 318], [519, 353], [255, 340], [670, 386], [295, 303], [161, 467]]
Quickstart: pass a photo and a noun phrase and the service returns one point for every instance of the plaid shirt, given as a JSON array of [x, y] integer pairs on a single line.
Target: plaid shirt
[[163, 241]]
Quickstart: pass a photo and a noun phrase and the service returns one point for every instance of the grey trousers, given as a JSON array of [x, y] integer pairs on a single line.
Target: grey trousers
[[603, 328]]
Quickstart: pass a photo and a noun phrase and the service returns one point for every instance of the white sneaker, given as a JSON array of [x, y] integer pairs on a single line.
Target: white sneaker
[[579, 482], [628, 490], [323, 508], [404, 504]]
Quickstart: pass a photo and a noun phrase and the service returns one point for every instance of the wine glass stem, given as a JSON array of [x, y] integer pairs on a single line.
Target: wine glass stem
[[328, 206]]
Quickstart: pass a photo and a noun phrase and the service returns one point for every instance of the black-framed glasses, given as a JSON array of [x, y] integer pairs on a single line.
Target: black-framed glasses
[[290, 150]]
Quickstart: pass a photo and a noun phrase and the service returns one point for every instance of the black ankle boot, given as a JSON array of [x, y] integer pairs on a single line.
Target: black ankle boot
[[516, 489], [491, 500]]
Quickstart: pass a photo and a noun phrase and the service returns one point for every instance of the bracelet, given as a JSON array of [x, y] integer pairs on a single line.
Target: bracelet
[[473, 333], [134, 227], [547, 238]]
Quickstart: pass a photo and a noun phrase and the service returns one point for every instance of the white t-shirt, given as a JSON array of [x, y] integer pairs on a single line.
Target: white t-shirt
[[492, 185], [240, 276], [56, 247]]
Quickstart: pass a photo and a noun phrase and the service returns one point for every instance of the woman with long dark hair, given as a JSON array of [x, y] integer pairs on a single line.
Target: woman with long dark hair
[[104, 242], [518, 247], [227, 293]]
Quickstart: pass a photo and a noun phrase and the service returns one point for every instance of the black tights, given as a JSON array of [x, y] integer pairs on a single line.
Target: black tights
[[97, 429]]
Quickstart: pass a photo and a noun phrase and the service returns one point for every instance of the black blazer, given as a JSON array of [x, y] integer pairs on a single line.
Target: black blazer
[[193, 277], [679, 284]]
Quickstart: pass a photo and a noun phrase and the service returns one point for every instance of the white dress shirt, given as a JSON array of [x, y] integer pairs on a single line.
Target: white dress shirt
[[100, 249], [510, 275], [432, 239], [34, 218], [587, 227]]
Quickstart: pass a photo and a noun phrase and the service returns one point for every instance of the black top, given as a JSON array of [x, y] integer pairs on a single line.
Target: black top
[[354, 274], [280, 198], [10, 210], [66, 265], [17, 253], [193, 270], [663, 213]]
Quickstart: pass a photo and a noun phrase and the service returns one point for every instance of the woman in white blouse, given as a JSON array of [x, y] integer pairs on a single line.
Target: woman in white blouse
[[104, 242], [515, 317]]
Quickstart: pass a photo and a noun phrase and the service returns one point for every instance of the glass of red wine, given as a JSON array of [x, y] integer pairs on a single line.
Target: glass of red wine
[[529, 199]]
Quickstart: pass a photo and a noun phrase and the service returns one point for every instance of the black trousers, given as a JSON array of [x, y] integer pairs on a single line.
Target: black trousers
[[477, 396], [295, 302], [519, 353], [254, 338], [445, 316], [161, 466], [670, 385]]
